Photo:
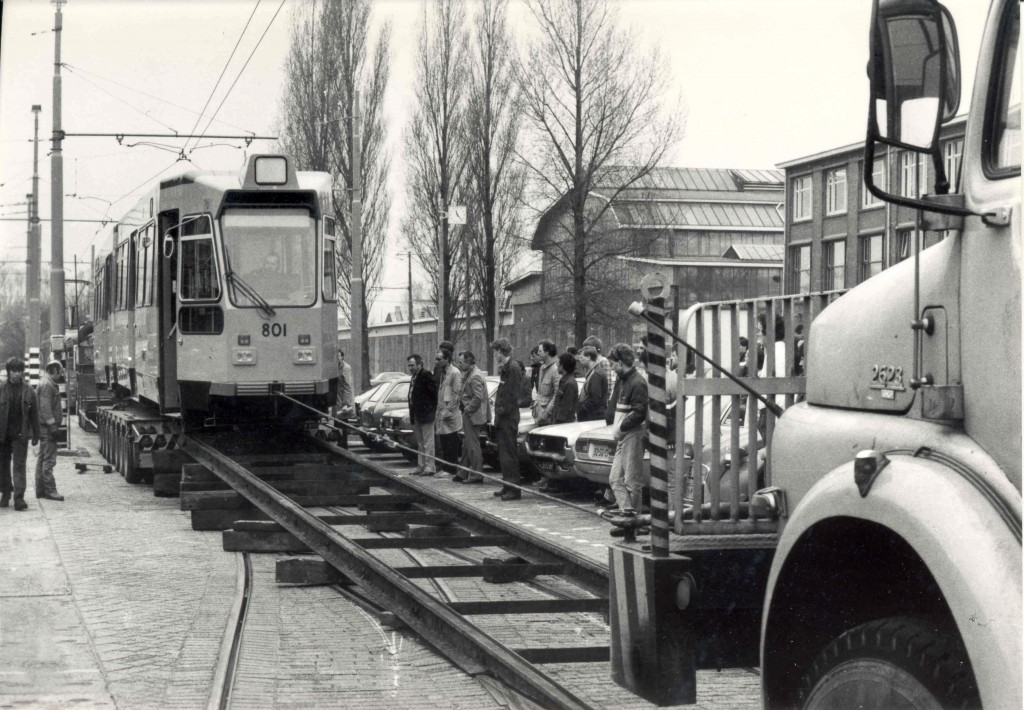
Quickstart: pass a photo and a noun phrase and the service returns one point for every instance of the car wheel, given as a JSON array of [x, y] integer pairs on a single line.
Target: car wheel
[[900, 662]]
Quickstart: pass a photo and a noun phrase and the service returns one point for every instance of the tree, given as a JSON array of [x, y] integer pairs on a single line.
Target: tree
[[595, 113], [328, 63], [496, 179], [436, 151]]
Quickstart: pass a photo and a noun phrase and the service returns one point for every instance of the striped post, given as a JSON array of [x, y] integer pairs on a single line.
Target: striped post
[[658, 425], [32, 367]]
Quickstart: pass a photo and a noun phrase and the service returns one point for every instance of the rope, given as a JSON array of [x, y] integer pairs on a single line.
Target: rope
[[490, 477]]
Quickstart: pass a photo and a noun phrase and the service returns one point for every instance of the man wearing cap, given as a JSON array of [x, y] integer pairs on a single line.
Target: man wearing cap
[[19, 421], [50, 418]]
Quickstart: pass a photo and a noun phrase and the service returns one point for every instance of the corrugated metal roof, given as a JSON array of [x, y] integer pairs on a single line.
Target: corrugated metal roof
[[755, 252], [701, 261], [710, 179], [696, 214]]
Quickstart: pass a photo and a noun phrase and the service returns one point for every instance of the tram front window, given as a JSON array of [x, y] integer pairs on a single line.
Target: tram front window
[[273, 251]]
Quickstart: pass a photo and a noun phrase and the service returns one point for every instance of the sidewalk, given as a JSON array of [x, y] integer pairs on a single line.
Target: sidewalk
[[108, 599]]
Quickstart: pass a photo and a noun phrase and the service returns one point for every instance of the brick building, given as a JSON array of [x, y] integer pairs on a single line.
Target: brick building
[[837, 234]]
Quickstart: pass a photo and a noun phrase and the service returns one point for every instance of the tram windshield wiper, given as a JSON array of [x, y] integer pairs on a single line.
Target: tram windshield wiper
[[249, 292]]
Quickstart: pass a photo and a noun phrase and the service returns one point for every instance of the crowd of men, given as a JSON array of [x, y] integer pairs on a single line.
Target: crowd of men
[[28, 415], [449, 404]]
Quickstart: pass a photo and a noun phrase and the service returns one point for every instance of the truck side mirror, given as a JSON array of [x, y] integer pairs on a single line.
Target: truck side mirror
[[914, 75], [914, 72], [168, 245]]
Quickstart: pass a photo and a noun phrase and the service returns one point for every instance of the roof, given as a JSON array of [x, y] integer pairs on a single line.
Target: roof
[[681, 198], [755, 252], [702, 261], [699, 214]]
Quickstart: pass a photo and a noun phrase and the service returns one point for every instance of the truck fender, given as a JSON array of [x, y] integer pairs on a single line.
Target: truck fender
[[966, 536]]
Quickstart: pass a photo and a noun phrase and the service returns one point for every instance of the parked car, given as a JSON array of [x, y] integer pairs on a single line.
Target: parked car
[[594, 450], [552, 448], [382, 377], [396, 426], [389, 396]]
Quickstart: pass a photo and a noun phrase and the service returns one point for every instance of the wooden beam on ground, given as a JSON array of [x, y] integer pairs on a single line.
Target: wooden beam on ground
[[307, 570], [240, 541], [170, 460], [429, 543], [531, 606], [580, 654], [166, 484], [524, 571]]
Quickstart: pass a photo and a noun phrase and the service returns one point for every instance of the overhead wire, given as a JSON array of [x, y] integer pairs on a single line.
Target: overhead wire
[[134, 108], [147, 95], [242, 70], [222, 72]]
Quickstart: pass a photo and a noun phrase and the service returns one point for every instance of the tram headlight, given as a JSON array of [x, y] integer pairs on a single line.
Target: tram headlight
[[243, 356], [304, 356]]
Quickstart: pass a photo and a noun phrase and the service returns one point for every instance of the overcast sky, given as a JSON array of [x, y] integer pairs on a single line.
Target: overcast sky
[[763, 81]]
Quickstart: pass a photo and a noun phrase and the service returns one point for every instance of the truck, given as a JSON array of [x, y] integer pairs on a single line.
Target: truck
[[869, 555]]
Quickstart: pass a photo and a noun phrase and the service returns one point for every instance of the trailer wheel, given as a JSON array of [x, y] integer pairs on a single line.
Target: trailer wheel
[[900, 662], [132, 473]]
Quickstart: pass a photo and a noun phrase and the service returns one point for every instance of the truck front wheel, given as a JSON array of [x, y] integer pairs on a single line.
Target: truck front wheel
[[900, 662]]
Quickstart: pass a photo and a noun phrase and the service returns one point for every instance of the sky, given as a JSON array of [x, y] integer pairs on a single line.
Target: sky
[[762, 81]]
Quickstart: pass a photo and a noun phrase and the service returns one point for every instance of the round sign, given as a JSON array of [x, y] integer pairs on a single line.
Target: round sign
[[654, 285]]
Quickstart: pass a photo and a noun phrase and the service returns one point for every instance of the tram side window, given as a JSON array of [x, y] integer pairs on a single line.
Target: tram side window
[[330, 265], [108, 291], [150, 246], [97, 296], [198, 265], [121, 285], [139, 246], [1005, 144]]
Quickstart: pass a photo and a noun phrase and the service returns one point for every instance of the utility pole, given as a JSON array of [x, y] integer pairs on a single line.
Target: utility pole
[[408, 256], [57, 196], [361, 363], [32, 270]]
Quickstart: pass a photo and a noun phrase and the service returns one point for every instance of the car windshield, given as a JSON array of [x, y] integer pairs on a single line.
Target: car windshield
[[399, 393], [273, 252]]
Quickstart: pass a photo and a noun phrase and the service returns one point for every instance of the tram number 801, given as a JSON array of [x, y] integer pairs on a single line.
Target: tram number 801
[[274, 330]]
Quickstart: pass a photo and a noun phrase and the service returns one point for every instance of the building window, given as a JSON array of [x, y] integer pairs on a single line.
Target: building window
[[878, 176], [904, 244], [801, 275], [802, 198], [835, 191], [909, 184], [834, 265], [952, 155], [871, 256]]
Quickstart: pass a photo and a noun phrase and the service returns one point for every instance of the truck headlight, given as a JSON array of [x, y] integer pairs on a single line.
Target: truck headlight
[[243, 356]]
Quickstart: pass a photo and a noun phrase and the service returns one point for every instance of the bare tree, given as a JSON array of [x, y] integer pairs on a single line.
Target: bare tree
[[496, 179], [329, 61], [435, 148], [594, 107]]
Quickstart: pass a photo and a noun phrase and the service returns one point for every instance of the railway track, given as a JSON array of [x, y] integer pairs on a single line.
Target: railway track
[[412, 550]]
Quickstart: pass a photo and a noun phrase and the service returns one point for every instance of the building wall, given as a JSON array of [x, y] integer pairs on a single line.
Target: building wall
[[858, 223]]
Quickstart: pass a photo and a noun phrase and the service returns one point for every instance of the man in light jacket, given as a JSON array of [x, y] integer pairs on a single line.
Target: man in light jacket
[[627, 410], [476, 411], [448, 423], [50, 418]]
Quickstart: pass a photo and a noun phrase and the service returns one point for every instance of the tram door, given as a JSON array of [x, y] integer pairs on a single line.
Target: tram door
[[167, 271]]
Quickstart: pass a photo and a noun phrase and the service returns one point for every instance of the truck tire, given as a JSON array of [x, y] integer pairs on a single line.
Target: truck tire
[[899, 662]]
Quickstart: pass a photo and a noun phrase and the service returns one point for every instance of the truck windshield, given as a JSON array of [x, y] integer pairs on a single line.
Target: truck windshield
[[273, 252]]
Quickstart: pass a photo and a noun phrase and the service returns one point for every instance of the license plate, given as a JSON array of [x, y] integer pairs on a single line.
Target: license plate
[[602, 453]]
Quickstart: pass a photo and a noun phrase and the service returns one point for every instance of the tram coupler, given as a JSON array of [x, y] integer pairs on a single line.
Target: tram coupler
[[651, 638]]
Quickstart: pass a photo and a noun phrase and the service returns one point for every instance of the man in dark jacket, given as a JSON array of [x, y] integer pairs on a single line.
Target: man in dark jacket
[[50, 417], [19, 421], [627, 410], [567, 392], [422, 410], [506, 418], [594, 395]]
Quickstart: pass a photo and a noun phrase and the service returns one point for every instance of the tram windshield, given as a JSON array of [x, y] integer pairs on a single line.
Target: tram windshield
[[273, 253]]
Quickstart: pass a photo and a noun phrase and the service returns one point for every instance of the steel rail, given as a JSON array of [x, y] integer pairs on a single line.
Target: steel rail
[[452, 635], [583, 571]]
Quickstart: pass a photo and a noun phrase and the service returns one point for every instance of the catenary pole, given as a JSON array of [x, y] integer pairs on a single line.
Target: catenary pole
[[360, 364], [33, 273], [57, 194]]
